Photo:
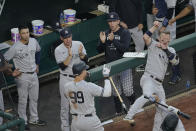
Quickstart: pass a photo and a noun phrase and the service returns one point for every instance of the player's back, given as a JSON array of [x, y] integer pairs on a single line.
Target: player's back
[[81, 96]]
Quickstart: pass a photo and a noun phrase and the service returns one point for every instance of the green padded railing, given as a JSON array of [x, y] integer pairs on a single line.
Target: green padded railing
[[14, 122], [125, 63]]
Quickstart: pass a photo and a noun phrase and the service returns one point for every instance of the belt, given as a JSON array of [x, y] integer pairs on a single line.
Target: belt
[[28, 72], [69, 75], [160, 19], [157, 79], [87, 115]]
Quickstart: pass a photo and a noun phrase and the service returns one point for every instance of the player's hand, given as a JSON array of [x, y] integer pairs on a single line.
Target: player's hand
[[16, 73], [171, 21], [102, 37], [152, 99], [162, 29], [155, 11], [124, 25], [69, 51], [37, 69], [80, 49], [106, 70], [157, 24], [156, 98], [111, 36], [173, 109], [140, 27]]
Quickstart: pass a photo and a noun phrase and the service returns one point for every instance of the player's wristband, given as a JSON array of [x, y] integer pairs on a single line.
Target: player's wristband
[[165, 22], [149, 33]]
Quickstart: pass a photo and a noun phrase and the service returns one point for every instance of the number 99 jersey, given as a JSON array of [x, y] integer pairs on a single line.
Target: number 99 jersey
[[81, 96]]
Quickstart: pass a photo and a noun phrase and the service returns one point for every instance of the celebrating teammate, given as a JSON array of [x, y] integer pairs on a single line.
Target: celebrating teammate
[[66, 54], [26, 56], [164, 10], [159, 55], [115, 42], [81, 98]]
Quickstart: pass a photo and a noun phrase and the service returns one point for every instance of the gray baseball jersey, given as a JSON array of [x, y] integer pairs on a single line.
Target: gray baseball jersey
[[61, 53], [23, 55], [193, 4], [81, 96], [157, 60]]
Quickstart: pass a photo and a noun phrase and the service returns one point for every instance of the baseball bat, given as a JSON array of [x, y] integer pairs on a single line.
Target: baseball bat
[[120, 98], [179, 112]]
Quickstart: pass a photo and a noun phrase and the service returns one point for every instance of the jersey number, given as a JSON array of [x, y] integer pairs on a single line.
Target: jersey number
[[77, 97]]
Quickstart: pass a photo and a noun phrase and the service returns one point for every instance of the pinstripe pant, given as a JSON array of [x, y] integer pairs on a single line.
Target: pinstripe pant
[[137, 36]]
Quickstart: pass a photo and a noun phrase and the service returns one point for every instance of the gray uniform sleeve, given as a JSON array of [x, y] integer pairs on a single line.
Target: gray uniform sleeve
[[191, 3], [94, 89], [58, 56], [84, 50], [171, 3], [172, 50], [152, 44], [10, 53], [38, 48]]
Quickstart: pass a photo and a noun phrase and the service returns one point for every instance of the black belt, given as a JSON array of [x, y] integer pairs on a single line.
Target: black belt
[[157, 79], [87, 115], [69, 75], [28, 72]]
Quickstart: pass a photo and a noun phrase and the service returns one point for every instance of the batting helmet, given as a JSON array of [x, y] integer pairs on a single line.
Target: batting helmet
[[79, 67], [170, 122]]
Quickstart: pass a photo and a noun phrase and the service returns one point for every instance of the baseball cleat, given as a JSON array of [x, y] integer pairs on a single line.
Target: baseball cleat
[[130, 121]]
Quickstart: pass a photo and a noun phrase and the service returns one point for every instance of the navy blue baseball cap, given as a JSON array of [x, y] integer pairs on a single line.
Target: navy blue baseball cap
[[79, 67], [65, 33], [112, 16]]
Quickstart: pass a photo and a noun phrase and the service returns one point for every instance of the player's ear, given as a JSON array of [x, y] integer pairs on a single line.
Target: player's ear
[[61, 38], [118, 21]]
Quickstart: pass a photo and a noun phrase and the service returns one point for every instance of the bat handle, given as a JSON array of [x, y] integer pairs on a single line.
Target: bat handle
[[124, 107], [184, 115]]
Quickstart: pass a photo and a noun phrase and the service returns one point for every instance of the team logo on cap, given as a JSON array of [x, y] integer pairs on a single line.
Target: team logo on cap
[[112, 16], [66, 32]]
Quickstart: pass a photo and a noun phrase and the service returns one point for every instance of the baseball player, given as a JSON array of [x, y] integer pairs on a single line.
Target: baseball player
[[164, 10], [26, 57], [81, 98], [66, 54], [4, 66], [130, 12], [114, 42], [159, 55], [167, 119], [185, 11]]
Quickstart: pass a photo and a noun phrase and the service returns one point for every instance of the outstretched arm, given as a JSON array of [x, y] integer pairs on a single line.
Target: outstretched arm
[[148, 34]]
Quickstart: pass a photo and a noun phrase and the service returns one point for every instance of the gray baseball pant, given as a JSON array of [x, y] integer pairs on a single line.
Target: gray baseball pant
[[137, 36], [28, 86], [149, 87], [82, 123], [64, 113]]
